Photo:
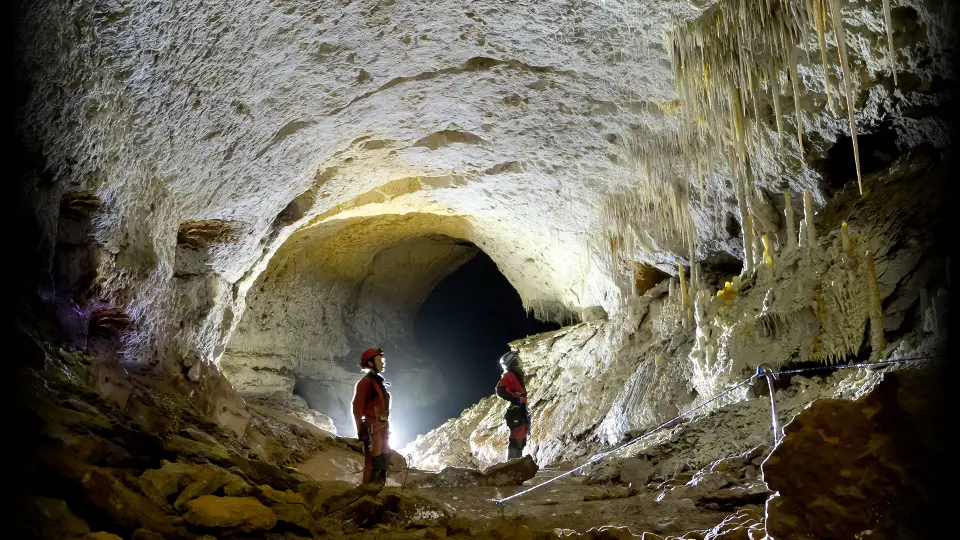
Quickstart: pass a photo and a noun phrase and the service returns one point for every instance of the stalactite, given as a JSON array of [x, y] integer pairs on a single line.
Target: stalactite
[[891, 54], [757, 248], [795, 81], [808, 217], [724, 58], [819, 16], [835, 16]]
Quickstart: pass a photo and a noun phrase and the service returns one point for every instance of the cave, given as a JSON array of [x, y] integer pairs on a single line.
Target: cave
[[224, 210]]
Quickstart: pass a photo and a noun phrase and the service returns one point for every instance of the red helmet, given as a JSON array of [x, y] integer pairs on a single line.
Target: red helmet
[[368, 355]]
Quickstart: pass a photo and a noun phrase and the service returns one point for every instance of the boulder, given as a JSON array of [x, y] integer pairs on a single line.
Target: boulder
[[201, 452], [636, 472], [366, 506], [875, 464], [289, 507], [213, 480], [159, 484], [48, 518], [243, 513], [512, 473], [124, 506]]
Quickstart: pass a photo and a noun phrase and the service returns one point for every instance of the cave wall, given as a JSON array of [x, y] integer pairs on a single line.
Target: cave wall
[[597, 384], [177, 150]]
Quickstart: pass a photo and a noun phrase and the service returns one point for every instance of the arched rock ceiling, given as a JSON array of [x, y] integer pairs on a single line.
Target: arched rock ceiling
[[505, 118]]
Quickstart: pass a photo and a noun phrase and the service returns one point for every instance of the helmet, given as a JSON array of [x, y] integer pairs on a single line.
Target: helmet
[[368, 355], [508, 359]]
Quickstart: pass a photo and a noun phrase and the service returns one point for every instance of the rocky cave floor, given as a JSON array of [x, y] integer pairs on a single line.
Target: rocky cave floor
[[145, 464]]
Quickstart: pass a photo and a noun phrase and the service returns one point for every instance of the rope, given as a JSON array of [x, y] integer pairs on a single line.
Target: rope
[[598, 457], [861, 365]]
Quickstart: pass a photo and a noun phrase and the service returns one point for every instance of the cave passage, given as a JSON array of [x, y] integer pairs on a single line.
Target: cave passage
[[462, 328]]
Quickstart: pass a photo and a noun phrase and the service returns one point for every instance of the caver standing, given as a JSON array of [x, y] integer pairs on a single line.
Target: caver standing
[[511, 388], [371, 410]]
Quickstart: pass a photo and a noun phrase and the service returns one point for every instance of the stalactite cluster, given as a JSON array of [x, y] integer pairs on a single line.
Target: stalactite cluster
[[728, 63]]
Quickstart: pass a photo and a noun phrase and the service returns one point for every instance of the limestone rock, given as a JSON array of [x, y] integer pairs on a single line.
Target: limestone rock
[[49, 518], [102, 535], [366, 506], [213, 480], [511, 473], [636, 472], [123, 505], [616, 492], [195, 450], [243, 513], [145, 534], [884, 447], [745, 524]]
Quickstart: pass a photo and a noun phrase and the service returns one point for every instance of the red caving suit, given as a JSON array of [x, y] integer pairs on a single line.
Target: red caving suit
[[371, 407], [512, 385]]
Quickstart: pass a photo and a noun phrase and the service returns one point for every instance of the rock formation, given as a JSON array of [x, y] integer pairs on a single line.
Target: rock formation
[[224, 203]]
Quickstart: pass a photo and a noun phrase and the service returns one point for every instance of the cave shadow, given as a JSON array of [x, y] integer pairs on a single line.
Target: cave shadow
[[462, 329]]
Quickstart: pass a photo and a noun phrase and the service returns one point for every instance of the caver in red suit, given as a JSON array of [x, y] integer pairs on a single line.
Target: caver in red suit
[[371, 409], [511, 388]]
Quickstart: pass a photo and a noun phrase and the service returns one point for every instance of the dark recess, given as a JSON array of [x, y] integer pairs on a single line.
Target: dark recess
[[877, 151], [462, 328]]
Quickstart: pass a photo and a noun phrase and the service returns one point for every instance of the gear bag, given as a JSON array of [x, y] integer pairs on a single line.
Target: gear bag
[[516, 416]]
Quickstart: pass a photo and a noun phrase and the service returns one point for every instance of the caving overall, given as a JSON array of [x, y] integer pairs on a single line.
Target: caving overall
[[517, 417], [371, 409]]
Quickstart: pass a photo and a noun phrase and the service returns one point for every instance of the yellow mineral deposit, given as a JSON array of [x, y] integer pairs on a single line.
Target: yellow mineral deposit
[[728, 289], [845, 237], [767, 252]]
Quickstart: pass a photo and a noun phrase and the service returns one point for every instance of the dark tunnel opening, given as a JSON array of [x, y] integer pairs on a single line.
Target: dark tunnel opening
[[462, 328], [877, 151]]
